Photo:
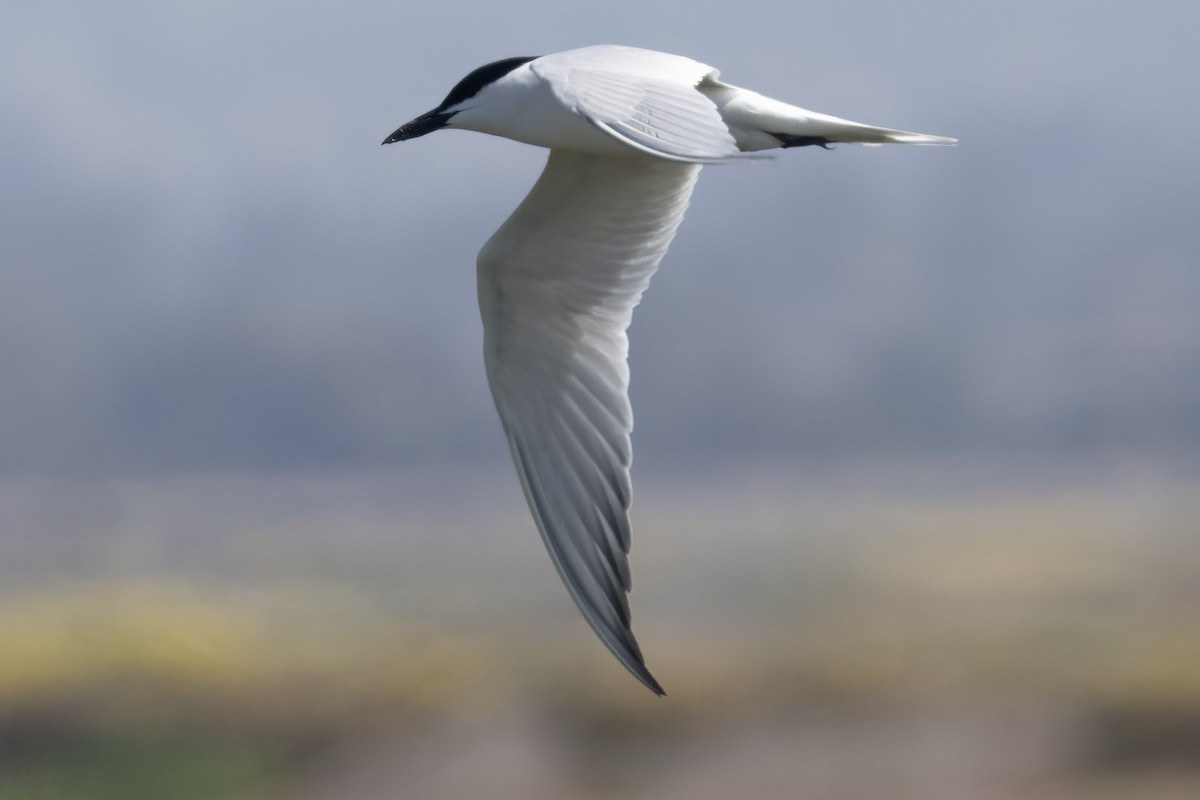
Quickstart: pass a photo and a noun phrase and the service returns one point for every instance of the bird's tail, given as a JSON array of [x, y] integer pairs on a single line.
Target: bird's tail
[[758, 123], [810, 127]]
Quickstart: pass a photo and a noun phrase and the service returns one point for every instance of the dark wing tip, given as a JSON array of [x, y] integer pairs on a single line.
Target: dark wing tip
[[630, 657], [791, 140]]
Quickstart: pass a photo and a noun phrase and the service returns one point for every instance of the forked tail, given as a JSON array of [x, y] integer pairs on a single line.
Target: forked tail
[[812, 128], [760, 123]]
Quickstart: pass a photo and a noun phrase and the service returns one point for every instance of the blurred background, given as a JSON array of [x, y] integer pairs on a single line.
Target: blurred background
[[918, 447]]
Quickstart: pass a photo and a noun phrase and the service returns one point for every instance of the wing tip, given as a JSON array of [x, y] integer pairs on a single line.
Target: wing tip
[[630, 656], [647, 680]]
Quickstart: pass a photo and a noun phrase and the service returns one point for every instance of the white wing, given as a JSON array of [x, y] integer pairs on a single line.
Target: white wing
[[644, 99], [557, 286]]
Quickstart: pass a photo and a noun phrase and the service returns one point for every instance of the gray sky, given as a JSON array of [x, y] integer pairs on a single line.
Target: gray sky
[[210, 263]]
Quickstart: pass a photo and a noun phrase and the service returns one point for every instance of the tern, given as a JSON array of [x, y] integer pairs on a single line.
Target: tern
[[628, 131]]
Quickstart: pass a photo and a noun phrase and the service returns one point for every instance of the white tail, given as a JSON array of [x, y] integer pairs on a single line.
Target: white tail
[[801, 122], [760, 123]]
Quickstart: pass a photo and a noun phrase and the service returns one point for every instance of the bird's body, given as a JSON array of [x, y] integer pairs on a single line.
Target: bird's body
[[627, 130]]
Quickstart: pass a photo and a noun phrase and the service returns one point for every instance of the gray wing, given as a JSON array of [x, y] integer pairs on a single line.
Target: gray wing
[[557, 286], [644, 99]]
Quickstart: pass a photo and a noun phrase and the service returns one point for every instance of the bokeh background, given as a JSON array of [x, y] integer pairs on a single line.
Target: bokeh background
[[918, 447]]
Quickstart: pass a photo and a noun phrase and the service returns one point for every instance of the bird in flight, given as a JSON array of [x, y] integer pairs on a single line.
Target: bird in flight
[[628, 131]]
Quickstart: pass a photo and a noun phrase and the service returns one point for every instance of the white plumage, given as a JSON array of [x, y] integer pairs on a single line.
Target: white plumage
[[627, 130]]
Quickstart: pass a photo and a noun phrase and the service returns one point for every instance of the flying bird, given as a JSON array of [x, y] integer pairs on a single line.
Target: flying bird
[[628, 131]]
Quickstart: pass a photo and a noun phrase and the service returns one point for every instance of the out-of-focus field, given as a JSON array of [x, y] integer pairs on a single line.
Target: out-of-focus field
[[844, 631]]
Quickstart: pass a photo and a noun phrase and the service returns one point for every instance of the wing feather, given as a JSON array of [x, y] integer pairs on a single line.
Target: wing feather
[[647, 100], [557, 286]]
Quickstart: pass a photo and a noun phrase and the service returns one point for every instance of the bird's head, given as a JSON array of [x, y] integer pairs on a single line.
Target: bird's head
[[467, 94]]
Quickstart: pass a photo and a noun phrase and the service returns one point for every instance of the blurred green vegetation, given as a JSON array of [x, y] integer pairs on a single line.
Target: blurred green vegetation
[[133, 678], [136, 768]]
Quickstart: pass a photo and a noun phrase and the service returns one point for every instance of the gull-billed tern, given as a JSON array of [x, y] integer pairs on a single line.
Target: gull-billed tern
[[628, 130]]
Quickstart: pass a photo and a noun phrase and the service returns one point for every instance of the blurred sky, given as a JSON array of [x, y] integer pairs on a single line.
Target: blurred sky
[[210, 263]]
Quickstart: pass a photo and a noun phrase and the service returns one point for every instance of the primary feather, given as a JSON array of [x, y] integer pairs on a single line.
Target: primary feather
[[557, 287]]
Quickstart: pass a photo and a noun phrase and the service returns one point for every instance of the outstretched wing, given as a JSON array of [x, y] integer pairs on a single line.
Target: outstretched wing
[[557, 286], [644, 99]]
